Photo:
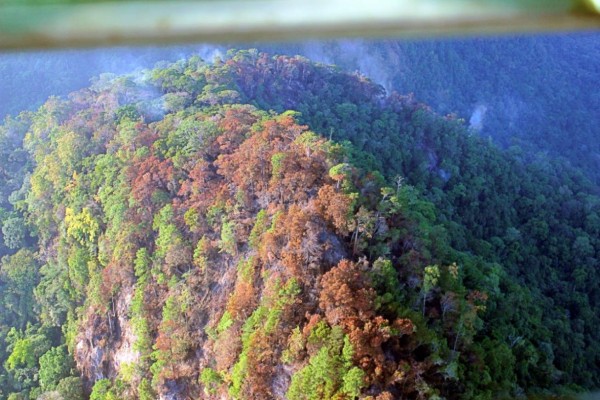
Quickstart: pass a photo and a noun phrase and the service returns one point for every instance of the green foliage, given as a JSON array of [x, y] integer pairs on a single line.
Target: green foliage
[[330, 371], [250, 329], [431, 277], [338, 172], [102, 390], [167, 231], [384, 278], [354, 381], [20, 273], [78, 262], [509, 240], [277, 161], [308, 141], [13, 230], [53, 294], [262, 323], [55, 365], [260, 227], [70, 388], [82, 226], [224, 323], [22, 355], [141, 264], [188, 137], [296, 345], [228, 240], [210, 379], [129, 111], [145, 391], [201, 253]]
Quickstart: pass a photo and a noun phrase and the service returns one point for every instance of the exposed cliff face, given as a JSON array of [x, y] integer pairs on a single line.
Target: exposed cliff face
[[105, 344]]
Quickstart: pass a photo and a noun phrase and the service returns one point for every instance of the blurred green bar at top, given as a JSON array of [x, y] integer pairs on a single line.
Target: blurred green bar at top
[[68, 23]]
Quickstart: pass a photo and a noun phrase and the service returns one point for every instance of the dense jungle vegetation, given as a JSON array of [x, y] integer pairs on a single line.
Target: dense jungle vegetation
[[268, 227], [531, 92]]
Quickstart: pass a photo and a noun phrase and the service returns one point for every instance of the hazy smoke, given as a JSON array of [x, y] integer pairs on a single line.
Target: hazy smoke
[[476, 121], [209, 52], [316, 51], [350, 55]]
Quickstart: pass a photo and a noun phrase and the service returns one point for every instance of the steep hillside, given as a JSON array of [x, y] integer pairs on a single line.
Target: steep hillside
[[266, 227]]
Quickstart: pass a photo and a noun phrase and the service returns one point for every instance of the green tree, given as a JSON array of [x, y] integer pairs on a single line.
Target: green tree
[[70, 388], [22, 355], [13, 230], [431, 276], [102, 390], [55, 365], [20, 273], [53, 294], [330, 372], [228, 239]]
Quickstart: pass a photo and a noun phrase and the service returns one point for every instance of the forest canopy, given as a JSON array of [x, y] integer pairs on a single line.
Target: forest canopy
[[265, 227]]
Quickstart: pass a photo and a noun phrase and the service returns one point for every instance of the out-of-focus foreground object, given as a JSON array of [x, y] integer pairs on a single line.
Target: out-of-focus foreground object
[[61, 23]]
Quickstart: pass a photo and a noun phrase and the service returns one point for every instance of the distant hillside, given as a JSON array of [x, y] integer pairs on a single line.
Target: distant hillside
[[534, 91]]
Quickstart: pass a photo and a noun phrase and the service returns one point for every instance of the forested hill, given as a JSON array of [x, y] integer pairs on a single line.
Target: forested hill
[[532, 91], [268, 227]]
